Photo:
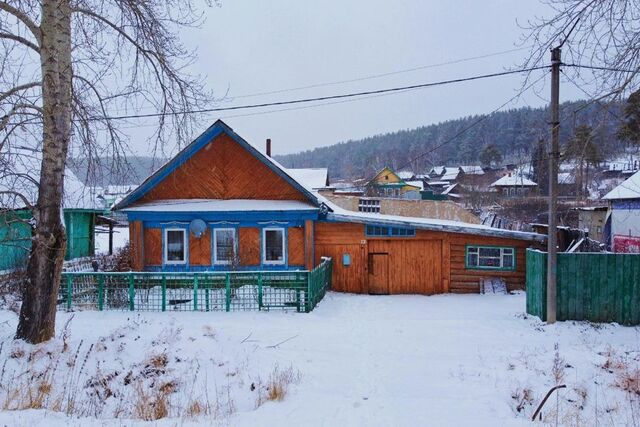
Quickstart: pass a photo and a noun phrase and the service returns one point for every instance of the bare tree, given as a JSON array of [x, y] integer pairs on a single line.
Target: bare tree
[[603, 35], [70, 70]]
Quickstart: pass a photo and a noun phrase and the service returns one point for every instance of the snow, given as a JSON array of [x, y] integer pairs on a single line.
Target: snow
[[513, 180], [416, 183], [358, 360], [311, 178], [404, 175], [120, 239], [220, 205], [450, 188], [629, 189], [566, 178], [450, 174], [472, 170]]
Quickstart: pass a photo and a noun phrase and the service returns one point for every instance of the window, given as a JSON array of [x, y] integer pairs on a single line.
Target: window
[[224, 245], [273, 245], [368, 205], [175, 245], [491, 257], [377, 231]]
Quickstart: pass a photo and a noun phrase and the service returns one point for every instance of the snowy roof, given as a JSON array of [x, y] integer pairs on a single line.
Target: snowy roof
[[450, 174], [311, 177], [220, 205], [416, 183], [629, 189], [450, 188], [513, 180], [438, 170], [20, 172], [405, 175], [472, 170], [340, 214]]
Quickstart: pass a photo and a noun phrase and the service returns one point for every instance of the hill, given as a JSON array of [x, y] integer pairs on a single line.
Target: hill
[[514, 132]]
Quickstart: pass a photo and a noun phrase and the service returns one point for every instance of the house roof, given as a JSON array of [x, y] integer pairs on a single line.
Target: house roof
[[450, 174], [450, 188], [416, 183], [311, 177], [513, 180], [405, 175], [218, 205], [629, 189], [20, 172], [472, 170], [218, 128]]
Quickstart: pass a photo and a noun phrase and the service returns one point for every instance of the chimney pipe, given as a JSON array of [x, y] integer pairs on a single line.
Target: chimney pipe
[[269, 147]]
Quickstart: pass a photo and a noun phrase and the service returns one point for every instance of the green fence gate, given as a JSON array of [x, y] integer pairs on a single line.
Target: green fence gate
[[195, 291], [599, 287]]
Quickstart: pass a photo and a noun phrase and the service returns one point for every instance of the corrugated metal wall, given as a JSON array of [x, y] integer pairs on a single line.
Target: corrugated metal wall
[[15, 239]]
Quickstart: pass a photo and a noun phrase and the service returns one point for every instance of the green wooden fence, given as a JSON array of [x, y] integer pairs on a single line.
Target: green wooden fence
[[599, 287], [195, 291]]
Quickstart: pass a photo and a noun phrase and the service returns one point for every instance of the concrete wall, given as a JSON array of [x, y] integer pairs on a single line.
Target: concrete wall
[[435, 209]]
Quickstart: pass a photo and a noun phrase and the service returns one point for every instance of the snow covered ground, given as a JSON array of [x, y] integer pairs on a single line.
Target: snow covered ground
[[355, 360]]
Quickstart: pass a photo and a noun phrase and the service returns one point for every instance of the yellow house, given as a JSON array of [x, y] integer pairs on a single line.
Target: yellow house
[[388, 184]]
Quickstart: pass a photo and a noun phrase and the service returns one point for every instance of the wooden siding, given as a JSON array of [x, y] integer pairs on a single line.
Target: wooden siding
[[308, 244], [223, 169], [136, 245], [200, 249], [152, 246], [295, 245], [249, 245], [429, 263]]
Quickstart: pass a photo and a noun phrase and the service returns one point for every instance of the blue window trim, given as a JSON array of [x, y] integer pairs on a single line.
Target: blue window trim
[[285, 245], [467, 266], [371, 230], [213, 243], [175, 226]]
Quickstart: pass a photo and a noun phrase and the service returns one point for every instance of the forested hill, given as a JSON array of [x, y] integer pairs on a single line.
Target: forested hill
[[514, 132]]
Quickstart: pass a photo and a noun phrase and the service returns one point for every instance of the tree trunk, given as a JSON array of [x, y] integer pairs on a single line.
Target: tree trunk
[[49, 242]]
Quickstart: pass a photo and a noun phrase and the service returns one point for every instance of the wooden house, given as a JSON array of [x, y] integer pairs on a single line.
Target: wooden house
[[622, 229], [221, 204], [387, 183]]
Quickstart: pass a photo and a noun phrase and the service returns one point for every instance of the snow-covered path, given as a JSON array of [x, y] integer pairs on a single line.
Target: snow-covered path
[[365, 360]]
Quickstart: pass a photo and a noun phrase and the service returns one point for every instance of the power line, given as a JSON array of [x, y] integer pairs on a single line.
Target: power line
[[376, 76], [322, 98], [601, 68]]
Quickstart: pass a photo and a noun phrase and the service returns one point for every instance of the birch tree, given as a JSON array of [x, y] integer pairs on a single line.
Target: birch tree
[[68, 70]]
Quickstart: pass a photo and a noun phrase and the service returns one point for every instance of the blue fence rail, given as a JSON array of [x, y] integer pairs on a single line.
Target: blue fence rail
[[195, 291]]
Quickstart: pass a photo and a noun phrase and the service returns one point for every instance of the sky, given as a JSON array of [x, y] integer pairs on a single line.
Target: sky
[[252, 47]]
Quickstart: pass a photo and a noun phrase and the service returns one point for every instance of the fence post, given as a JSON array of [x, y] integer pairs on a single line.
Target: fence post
[[206, 295], [69, 291], [309, 302], [259, 291], [132, 294], [100, 292], [195, 292], [164, 292], [228, 293]]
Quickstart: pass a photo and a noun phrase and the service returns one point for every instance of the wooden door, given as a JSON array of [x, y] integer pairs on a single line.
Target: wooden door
[[379, 273]]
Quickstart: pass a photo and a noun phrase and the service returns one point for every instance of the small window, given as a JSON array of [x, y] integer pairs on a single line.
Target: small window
[[273, 241], [346, 260], [175, 244], [224, 245], [369, 205], [491, 258], [377, 231]]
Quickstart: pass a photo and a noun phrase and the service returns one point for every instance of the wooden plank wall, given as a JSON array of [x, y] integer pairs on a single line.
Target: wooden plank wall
[[429, 263], [249, 246], [223, 169], [200, 248], [152, 246], [308, 244], [295, 252], [136, 239]]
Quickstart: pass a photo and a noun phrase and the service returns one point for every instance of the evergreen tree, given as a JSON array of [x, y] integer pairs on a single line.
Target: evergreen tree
[[490, 155], [629, 130], [540, 166]]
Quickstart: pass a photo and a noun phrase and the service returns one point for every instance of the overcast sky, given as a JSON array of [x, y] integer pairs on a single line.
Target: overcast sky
[[247, 47]]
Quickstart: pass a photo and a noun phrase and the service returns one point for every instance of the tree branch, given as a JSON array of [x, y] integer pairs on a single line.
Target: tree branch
[[20, 39], [17, 89], [24, 18], [21, 196]]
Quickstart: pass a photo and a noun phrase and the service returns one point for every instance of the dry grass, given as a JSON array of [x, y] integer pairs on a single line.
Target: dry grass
[[277, 386], [151, 404]]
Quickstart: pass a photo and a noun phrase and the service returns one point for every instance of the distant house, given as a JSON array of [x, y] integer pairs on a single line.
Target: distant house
[[514, 185], [625, 215], [222, 204], [80, 210], [388, 184], [592, 220]]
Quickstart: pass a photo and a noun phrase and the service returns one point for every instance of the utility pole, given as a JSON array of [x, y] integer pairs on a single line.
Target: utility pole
[[554, 155]]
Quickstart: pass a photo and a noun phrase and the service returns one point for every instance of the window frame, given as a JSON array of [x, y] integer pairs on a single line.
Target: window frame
[[165, 251], [369, 205], [389, 231], [215, 245], [513, 249], [264, 246]]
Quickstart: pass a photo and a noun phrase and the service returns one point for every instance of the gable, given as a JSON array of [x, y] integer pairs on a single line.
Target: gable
[[223, 169], [392, 177]]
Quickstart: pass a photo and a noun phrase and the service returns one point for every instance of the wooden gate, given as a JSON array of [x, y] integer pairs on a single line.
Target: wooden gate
[[379, 273]]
